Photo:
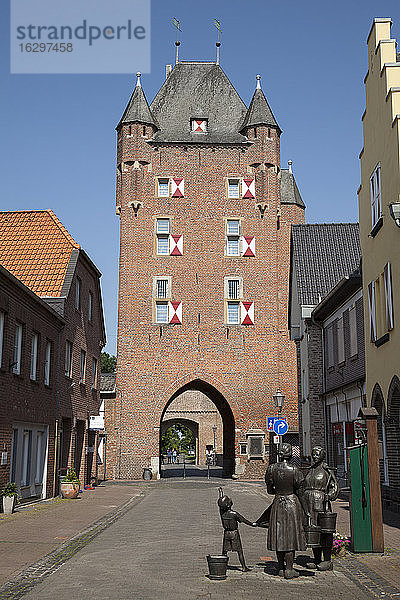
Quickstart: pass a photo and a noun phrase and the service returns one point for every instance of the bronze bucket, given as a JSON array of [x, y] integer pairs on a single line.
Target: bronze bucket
[[327, 522], [217, 566], [313, 536]]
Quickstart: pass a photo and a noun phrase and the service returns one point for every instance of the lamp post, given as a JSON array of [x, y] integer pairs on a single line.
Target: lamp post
[[279, 400], [214, 431], [395, 212]]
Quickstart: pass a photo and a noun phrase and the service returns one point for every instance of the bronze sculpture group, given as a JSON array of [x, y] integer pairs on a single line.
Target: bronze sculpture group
[[300, 515]]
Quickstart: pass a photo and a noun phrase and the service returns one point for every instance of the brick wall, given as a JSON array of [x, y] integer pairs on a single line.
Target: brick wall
[[315, 374]]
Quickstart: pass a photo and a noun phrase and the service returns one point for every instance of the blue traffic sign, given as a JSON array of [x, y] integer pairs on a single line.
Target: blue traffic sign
[[280, 427], [270, 423]]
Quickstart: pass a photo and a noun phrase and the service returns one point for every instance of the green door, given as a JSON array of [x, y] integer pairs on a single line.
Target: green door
[[360, 499]]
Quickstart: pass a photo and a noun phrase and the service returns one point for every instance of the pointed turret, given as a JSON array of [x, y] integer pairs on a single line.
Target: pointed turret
[[138, 110], [259, 112]]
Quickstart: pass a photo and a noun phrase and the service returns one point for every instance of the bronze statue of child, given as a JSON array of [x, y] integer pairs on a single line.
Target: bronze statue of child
[[230, 522]]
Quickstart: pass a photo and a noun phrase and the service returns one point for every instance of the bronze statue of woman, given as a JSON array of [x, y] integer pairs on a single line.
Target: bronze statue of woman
[[319, 488], [285, 533]]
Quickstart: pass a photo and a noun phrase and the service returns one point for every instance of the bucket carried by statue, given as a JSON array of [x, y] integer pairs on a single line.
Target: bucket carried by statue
[[313, 536], [327, 521]]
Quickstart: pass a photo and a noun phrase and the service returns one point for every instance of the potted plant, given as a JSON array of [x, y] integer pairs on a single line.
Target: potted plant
[[10, 498], [70, 484], [340, 544]]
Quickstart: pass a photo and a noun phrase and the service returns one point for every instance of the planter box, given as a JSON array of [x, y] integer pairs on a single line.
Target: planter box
[[69, 490], [8, 504]]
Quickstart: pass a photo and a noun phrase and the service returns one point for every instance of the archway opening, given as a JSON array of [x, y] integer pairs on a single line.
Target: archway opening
[[393, 433], [204, 410], [179, 438], [379, 404]]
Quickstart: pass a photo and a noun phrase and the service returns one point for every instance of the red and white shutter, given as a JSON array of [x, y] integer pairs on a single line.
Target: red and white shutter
[[199, 126], [387, 275], [371, 306], [177, 187], [175, 312], [247, 313], [248, 245], [248, 188], [176, 245]]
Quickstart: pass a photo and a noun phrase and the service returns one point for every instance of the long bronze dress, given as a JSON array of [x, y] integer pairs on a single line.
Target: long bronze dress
[[285, 532], [320, 480]]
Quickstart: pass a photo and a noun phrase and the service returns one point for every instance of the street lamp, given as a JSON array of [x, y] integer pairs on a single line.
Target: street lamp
[[395, 212], [279, 400], [214, 428]]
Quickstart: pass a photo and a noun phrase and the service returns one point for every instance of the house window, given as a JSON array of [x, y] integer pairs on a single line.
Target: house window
[[68, 358], [233, 237], [1, 335], [243, 448], [233, 188], [82, 367], [90, 307], [162, 232], [340, 340], [387, 281], [17, 349], [78, 294], [162, 288], [329, 341], [199, 125], [376, 201], [34, 356], [161, 312], [353, 331], [47, 363], [94, 373], [161, 294], [233, 293], [163, 187]]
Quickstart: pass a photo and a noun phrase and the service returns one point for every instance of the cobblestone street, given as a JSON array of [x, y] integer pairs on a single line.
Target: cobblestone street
[[154, 543]]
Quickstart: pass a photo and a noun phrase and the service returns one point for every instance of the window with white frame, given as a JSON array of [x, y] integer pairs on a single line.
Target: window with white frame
[[243, 449], [90, 307], [163, 187], [78, 294], [34, 356], [233, 293], [17, 349], [233, 237], [161, 294], [47, 363], [233, 188], [162, 233], [68, 359], [82, 373], [340, 340], [94, 373], [353, 331], [376, 200], [2, 319]]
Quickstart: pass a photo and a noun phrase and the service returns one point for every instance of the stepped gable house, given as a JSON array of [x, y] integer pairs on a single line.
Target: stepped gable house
[[205, 212], [51, 336]]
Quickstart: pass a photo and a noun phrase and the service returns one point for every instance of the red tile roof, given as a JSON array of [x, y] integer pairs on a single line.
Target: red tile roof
[[35, 247]]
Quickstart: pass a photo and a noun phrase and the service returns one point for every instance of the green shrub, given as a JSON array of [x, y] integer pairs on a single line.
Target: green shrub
[[71, 477], [10, 490]]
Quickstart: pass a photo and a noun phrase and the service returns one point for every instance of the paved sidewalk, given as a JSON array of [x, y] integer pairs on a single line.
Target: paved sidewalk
[[34, 530]]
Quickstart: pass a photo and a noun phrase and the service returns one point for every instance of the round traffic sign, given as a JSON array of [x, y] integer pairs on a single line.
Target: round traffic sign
[[280, 427]]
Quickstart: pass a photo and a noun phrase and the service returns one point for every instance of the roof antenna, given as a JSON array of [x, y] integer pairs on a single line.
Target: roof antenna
[[258, 77], [217, 24], [177, 43], [138, 75], [289, 162]]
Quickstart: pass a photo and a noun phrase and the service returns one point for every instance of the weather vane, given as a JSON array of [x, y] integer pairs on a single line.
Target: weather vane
[[217, 24], [177, 43]]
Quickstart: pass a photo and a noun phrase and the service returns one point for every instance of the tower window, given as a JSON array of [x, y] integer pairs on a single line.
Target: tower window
[[161, 312], [161, 295], [162, 288], [163, 187], [162, 232], [233, 188], [199, 125], [233, 293], [233, 237], [233, 313]]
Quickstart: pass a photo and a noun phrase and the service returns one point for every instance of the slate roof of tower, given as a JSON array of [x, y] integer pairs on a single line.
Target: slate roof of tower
[[203, 91], [36, 248], [259, 112], [289, 191], [138, 109], [321, 255]]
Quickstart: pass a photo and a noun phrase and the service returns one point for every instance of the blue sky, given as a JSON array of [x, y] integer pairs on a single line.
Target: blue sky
[[58, 131]]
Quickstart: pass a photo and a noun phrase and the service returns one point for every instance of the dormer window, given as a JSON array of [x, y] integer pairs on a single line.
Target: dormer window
[[199, 125]]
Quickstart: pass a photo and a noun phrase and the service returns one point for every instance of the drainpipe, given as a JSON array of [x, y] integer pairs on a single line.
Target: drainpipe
[[56, 450]]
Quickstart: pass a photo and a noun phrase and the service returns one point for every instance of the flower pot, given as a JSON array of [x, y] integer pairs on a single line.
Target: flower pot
[[69, 489], [147, 474], [217, 566], [8, 504]]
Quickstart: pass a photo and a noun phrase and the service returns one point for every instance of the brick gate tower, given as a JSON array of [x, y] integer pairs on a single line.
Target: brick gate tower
[[205, 214]]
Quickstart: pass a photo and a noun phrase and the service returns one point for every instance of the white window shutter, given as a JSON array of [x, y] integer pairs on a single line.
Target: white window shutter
[[248, 188], [175, 313], [248, 245], [247, 313], [388, 296], [371, 306], [176, 245], [177, 187]]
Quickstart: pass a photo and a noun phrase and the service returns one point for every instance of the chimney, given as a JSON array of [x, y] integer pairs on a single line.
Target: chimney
[[168, 69]]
